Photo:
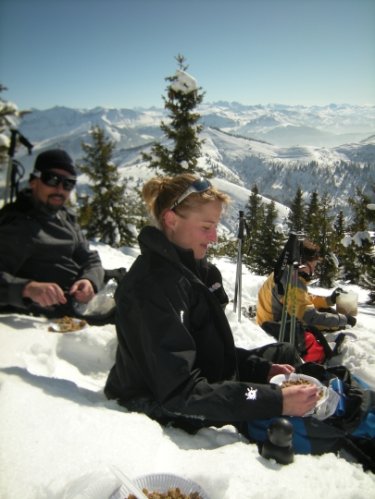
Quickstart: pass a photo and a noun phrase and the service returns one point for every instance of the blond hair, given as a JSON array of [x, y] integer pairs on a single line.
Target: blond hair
[[159, 194]]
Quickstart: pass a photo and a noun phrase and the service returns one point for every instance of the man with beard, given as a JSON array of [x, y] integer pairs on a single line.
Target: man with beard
[[46, 266]]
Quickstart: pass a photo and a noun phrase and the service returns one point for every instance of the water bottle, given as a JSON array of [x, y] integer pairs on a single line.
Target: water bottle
[[338, 386]]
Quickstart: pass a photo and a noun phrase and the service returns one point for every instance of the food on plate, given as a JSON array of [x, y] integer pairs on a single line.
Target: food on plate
[[172, 493], [299, 381], [67, 324]]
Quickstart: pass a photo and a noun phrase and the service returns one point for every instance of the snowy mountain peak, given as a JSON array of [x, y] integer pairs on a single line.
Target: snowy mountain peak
[[276, 147]]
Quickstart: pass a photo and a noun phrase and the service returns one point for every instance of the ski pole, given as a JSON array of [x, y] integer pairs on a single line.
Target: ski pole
[[296, 261], [289, 261], [11, 171], [293, 300], [238, 282], [284, 312]]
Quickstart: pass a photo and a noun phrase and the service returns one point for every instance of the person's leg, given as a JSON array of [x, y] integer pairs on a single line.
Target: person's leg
[[310, 436], [279, 353]]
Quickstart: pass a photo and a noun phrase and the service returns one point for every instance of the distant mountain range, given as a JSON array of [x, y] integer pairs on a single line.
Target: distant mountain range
[[324, 148]]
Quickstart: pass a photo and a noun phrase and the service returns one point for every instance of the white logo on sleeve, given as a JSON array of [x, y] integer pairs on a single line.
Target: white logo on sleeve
[[251, 393]]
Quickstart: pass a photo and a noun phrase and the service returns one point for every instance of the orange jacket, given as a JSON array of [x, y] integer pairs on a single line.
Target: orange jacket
[[307, 307]]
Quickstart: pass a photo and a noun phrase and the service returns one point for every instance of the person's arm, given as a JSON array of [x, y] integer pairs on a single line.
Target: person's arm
[[324, 320], [299, 399], [252, 367], [307, 312], [45, 294], [14, 251], [89, 261]]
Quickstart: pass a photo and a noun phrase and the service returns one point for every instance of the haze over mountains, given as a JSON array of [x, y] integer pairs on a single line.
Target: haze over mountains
[[324, 148]]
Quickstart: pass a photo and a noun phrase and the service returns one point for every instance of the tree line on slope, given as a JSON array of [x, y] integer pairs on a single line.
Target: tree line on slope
[[347, 246]]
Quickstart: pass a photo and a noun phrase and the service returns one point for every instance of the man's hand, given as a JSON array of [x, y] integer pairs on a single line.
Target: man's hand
[[44, 294], [82, 291], [280, 369], [299, 399]]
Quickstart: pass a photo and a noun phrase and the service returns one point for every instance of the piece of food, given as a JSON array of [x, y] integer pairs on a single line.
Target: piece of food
[[67, 324], [172, 493], [299, 381]]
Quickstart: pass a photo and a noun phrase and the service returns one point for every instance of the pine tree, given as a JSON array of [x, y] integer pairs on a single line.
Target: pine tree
[[339, 232], [370, 211], [312, 218], [7, 113], [182, 130], [328, 268], [338, 235], [359, 207], [271, 241], [358, 255], [254, 215], [365, 251], [296, 218], [104, 214], [9, 116], [369, 277]]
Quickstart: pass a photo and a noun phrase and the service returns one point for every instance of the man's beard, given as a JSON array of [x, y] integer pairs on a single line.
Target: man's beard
[[53, 208]]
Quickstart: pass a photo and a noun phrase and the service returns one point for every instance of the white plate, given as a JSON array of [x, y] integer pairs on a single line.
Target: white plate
[[279, 379], [58, 327], [327, 403], [161, 482]]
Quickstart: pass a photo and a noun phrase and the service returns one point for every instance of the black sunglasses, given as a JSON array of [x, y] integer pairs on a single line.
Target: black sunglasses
[[54, 179], [199, 185]]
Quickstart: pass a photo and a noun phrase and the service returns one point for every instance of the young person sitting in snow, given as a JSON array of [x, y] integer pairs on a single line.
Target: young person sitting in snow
[[46, 265], [176, 359], [313, 313]]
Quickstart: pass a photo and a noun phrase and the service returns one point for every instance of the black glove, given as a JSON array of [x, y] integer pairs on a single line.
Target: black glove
[[335, 294], [352, 321]]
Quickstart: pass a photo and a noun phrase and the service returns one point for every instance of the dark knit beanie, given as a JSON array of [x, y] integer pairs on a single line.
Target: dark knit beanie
[[55, 158]]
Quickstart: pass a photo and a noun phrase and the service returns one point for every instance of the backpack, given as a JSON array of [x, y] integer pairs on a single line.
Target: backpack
[[356, 420], [310, 342], [341, 432]]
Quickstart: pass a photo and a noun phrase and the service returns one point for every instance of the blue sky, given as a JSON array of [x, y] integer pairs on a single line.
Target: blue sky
[[117, 53]]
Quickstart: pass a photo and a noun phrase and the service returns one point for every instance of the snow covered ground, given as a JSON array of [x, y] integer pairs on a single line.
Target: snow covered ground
[[60, 437]]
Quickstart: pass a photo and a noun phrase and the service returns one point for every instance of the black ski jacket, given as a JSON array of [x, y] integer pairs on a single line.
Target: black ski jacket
[[176, 359], [36, 245]]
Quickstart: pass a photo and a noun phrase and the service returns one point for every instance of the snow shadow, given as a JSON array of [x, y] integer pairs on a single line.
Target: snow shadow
[[57, 387], [206, 438], [15, 321]]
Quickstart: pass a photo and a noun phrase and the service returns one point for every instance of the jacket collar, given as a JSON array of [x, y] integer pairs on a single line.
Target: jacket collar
[[154, 240]]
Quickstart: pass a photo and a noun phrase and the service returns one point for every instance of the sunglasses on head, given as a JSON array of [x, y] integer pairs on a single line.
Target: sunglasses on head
[[199, 185], [54, 179]]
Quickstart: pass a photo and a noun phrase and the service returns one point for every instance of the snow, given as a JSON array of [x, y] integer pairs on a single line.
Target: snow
[[4, 140], [232, 149], [360, 237], [60, 437], [184, 82]]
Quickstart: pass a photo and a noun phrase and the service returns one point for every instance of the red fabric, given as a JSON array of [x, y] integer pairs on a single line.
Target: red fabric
[[314, 350]]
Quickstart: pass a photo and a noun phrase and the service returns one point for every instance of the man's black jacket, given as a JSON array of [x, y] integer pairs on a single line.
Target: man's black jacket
[[37, 245]]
